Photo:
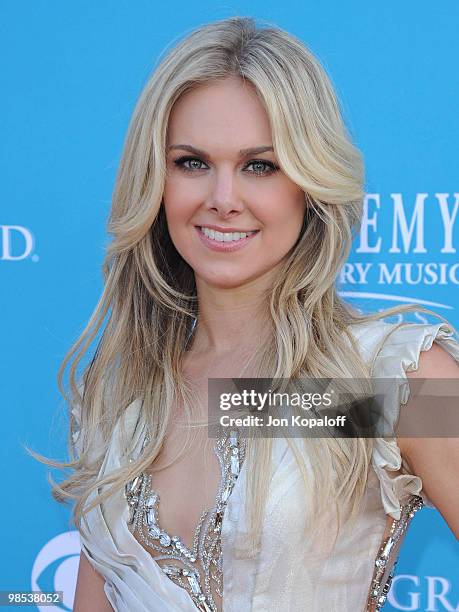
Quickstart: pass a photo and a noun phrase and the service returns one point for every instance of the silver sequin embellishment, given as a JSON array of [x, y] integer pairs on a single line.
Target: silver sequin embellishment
[[201, 566], [379, 586]]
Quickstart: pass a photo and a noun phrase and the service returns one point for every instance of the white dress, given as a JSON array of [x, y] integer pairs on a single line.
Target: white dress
[[285, 575]]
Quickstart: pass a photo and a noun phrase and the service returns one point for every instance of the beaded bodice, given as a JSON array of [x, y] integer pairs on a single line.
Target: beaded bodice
[[200, 567], [197, 569]]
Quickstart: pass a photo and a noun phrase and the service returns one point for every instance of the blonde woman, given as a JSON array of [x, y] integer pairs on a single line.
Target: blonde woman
[[234, 209]]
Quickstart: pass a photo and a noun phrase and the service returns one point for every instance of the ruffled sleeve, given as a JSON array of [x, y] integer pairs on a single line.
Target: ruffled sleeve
[[397, 353]]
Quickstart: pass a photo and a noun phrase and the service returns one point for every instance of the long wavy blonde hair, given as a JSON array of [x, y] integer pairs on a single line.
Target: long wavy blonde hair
[[149, 300]]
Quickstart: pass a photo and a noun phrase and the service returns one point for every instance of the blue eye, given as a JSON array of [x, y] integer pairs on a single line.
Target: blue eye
[[261, 162], [193, 164], [181, 161]]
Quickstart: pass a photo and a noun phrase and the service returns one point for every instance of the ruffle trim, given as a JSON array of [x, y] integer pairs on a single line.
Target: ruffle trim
[[397, 354]]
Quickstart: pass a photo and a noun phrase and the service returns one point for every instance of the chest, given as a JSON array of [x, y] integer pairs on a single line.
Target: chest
[[186, 481], [189, 546], [188, 472]]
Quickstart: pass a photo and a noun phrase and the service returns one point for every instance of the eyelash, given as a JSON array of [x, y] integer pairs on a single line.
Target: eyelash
[[272, 167]]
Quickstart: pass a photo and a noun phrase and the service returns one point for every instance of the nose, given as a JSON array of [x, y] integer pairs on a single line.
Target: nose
[[223, 197]]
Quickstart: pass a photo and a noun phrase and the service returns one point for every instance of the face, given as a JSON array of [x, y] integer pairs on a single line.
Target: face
[[223, 180]]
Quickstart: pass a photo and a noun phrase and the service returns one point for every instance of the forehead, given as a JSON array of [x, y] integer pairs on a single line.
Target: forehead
[[223, 113]]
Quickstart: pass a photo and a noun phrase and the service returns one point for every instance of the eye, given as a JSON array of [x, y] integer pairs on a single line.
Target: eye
[[267, 167], [194, 163], [261, 167]]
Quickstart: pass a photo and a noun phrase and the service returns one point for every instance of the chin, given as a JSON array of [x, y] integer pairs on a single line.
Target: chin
[[224, 281], [230, 283]]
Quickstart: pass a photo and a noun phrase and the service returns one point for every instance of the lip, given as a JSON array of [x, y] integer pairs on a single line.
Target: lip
[[219, 228], [225, 247]]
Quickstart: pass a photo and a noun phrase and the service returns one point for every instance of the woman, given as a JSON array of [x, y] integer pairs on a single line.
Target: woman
[[235, 204]]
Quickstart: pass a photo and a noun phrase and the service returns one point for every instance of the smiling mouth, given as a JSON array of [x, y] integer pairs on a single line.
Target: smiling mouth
[[225, 236]]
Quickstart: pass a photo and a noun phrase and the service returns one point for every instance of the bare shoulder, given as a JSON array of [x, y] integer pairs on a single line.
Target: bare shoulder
[[435, 363], [436, 460], [89, 594]]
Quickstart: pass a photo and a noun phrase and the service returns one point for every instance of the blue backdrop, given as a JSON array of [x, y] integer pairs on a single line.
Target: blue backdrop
[[71, 73]]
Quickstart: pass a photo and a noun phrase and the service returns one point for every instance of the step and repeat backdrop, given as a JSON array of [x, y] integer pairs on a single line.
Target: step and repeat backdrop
[[71, 74]]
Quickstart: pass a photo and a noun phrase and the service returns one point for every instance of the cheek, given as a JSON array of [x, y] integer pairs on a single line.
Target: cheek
[[179, 203], [283, 207]]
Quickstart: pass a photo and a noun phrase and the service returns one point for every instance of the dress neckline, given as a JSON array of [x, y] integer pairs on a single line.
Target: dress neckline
[[142, 502]]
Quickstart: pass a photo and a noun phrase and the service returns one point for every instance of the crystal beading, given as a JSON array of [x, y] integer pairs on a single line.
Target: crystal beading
[[202, 565], [206, 552], [380, 587]]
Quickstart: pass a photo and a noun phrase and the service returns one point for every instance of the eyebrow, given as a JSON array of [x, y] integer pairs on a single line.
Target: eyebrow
[[200, 152]]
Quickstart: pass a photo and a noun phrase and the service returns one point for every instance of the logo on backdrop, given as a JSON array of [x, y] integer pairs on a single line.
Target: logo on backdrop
[[403, 248], [16, 243], [56, 567], [408, 593]]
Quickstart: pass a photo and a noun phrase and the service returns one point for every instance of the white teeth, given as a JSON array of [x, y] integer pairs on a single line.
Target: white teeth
[[224, 236]]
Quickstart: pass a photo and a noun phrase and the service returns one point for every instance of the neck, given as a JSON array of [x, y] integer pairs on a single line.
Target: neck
[[230, 320]]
